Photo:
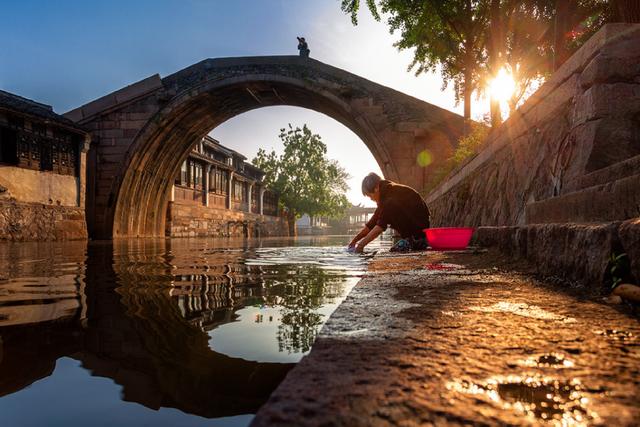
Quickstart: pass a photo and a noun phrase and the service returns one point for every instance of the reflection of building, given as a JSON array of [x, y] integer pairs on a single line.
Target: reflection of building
[[217, 193], [42, 170], [59, 293], [135, 335]]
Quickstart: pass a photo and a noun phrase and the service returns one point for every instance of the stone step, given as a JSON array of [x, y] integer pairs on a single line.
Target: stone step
[[606, 175], [614, 201]]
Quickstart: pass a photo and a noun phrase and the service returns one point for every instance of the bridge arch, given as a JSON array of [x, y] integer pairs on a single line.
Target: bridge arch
[[142, 133]]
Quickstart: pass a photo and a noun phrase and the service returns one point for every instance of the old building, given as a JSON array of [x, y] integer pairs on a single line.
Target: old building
[[42, 170], [351, 222], [218, 193]]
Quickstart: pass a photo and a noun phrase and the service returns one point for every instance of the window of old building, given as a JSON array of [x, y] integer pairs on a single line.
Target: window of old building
[[46, 157], [38, 129], [270, 203], [224, 182], [183, 178], [192, 172], [16, 122], [238, 191], [65, 153], [24, 151], [32, 148], [212, 179], [197, 175], [8, 146]]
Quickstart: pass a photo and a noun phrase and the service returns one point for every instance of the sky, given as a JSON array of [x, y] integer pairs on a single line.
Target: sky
[[66, 53]]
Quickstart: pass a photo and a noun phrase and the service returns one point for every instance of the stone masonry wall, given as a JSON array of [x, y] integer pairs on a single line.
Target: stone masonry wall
[[189, 220], [33, 221], [30, 186], [576, 252], [571, 153]]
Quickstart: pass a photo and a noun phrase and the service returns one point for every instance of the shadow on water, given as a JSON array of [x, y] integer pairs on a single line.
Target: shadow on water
[[151, 316]]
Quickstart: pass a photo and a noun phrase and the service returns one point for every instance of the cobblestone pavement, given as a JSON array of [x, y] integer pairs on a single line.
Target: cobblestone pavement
[[436, 339]]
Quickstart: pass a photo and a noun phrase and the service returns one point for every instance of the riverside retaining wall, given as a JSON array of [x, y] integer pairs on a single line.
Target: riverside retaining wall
[[189, 220], [21, 221], [559, 182], [571, 153]]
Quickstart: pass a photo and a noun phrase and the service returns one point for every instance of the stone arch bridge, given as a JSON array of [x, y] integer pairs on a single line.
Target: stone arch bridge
[[142, 133]]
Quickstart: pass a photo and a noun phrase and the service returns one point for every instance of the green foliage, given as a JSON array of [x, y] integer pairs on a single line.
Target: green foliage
[[471, 144], [468, 146], [468, 41], [445, 35], [619, 268], [307, 181], [300, 297]]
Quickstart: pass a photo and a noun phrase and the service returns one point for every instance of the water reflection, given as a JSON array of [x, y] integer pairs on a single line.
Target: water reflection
[[173, 323]]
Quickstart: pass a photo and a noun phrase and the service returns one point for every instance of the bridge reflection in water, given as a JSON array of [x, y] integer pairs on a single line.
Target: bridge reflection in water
[[152, 315]]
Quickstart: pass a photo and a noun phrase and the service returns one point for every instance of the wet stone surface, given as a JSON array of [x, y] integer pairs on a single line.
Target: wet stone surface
[[457, 339]]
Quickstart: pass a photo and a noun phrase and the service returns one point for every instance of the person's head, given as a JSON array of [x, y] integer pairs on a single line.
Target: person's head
[[371, 186]]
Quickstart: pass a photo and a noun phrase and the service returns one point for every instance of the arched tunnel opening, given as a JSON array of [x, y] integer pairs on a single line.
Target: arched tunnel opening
[[162, 147]]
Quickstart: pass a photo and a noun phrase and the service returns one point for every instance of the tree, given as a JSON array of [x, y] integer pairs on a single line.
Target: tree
[[471, 40], [307, 181], [446, 34], [518, 44]]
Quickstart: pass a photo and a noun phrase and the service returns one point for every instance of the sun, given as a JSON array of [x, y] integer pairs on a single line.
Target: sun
[[502, 86]]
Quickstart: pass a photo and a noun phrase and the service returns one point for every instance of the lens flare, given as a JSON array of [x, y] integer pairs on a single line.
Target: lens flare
[[424, 158], [502, 86]]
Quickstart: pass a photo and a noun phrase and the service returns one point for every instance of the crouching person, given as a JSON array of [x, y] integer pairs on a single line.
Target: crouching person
[[400, 207]]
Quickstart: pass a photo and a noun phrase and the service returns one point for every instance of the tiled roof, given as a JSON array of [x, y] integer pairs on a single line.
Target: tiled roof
[[18, 104]]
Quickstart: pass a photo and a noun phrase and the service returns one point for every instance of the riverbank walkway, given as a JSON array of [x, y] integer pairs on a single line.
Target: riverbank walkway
[[440, 339]]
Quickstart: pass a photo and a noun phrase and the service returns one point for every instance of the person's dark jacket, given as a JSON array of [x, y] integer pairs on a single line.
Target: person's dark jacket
[[402, 208]]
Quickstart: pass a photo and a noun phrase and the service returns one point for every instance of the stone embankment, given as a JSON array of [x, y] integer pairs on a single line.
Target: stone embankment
[[188, 220], [578, 253], [460, 339], [569, 154], [20, 221]]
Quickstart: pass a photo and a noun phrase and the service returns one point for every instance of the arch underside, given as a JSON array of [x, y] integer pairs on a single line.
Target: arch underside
[[160, 148]]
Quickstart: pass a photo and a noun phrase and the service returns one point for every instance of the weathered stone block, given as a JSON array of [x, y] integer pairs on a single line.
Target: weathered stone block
[[617, 200], [510, 240], [33, 221], [110, 133], [133, 124], [629, 233], [575, 252], [610, 68], [616, 100]]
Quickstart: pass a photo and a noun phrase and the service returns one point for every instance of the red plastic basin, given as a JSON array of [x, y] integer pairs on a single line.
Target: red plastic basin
[[449, 238]]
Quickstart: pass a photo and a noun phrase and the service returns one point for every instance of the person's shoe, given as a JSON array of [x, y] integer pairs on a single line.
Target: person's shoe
[[402, 245]]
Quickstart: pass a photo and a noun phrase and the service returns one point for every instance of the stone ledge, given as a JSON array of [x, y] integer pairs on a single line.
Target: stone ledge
[[574, 252], [613, 201], [629, 233], [395, 349]]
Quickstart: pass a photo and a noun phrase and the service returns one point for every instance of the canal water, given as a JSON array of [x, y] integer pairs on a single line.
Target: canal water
[[187, 332]]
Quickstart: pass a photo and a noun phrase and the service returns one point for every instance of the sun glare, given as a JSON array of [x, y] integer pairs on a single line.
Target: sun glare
[[503, 86]]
